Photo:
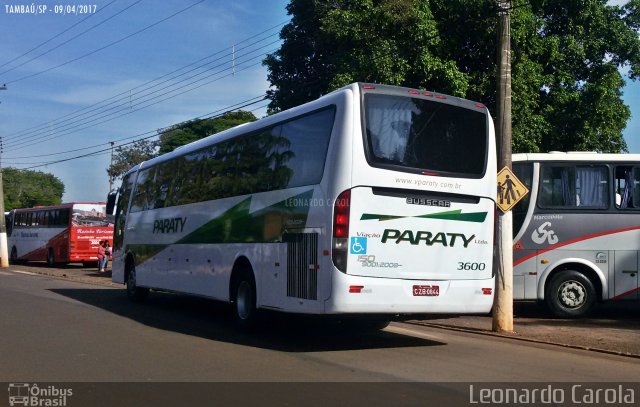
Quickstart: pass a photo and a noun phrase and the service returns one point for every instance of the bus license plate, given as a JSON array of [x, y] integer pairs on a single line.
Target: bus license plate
[[426, 290]]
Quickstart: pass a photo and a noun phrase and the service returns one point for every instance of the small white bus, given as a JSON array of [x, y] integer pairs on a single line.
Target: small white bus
[[577, 234], [373, 199]]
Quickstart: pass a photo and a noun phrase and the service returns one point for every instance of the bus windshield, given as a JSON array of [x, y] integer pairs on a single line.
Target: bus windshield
[[414, 135], [90, 215]]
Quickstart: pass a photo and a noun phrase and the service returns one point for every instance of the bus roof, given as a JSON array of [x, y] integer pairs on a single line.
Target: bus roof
[[576, 156], [62, 205], [356, 88]]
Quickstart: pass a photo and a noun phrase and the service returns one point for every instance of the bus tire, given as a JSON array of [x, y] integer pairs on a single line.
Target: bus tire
[[570, 294], [243, 291], [14, 256], [135, 293], [51, 260]]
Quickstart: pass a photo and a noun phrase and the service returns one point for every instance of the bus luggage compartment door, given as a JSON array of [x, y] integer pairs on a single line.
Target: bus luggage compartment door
[[625, 281]]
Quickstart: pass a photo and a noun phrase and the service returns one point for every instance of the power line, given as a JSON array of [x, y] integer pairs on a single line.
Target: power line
[[129, 107], [129, 103], [108, 149], [125, 97], [235, 106], [108, 45], [145, 103]]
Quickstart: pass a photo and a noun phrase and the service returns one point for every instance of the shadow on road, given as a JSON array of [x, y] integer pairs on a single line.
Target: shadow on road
[[211, 319]]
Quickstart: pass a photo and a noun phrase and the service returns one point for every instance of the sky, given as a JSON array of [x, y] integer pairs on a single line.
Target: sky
[[96, 85], [80, 78]]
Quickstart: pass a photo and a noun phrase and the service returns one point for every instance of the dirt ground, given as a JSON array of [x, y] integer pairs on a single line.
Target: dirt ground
[[612, 327]]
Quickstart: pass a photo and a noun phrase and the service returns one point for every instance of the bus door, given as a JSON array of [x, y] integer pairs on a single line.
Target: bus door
[[525, 275], [625, 281], [624, 277]]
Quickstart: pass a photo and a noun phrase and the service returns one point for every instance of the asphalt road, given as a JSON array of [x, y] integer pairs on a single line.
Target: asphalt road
[[62, 331]]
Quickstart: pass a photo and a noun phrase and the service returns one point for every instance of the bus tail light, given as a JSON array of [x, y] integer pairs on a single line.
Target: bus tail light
[[341, 230]]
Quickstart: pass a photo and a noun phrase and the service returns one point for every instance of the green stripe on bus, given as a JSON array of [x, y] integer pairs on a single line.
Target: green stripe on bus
[[144, 252], [369, 216], [238, 225], [456, 215]]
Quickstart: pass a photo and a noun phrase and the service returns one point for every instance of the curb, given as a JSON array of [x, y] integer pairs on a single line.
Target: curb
[[67, 277], [520, 338]]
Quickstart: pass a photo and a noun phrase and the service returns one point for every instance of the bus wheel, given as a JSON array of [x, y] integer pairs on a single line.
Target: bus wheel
[[244, 301], [570, 294], [51, 260], [14, 255], [135, 293]]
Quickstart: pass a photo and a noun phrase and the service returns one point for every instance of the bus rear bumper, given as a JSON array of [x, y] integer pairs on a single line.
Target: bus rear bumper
[[394, 296]]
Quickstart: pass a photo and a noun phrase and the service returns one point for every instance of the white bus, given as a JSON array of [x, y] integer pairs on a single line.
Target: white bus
[[577, 234], [373, 200]]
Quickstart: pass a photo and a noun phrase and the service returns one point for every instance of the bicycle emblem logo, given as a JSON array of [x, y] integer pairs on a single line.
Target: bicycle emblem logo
[[358, 245]]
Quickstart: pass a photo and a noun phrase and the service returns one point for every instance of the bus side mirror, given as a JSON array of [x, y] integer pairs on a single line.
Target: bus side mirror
[[111, 202]]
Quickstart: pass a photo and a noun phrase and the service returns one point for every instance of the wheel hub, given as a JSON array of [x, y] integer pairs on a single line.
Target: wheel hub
[[572, 294]]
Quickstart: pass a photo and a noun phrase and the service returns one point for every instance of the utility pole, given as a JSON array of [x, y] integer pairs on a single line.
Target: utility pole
[[4, 253], [503, 304], [110, 165]]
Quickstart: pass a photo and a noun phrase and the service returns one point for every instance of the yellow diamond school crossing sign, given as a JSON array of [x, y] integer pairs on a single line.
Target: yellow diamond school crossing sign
[[510, 190]]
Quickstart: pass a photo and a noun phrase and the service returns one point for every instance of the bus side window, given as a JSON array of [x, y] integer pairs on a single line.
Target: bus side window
[[592, 186], [524, 172], [635, 187], [8, 221], [626, 187]]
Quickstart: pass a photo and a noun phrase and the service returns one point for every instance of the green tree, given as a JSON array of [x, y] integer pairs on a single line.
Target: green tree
[[171, 138], [566, 60], [126, 157], [329, 44], [185, 133], [26, 189]]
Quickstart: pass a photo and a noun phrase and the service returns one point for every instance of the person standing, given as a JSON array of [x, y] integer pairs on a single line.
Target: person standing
[[101, 256], [107, 255]]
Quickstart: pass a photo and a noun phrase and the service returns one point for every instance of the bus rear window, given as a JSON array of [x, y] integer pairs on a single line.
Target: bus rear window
[[416, 135], [89, 215]]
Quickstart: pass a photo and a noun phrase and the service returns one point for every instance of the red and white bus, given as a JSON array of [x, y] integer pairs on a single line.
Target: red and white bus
[[61, 234]]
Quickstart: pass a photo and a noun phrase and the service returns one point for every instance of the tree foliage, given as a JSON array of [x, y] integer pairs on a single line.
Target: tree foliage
[[26, 189], [126, 157], [171, 138], [566, 60], [185, 133]]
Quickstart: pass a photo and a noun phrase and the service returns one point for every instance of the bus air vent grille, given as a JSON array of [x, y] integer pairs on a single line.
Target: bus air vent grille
[[302, 260]]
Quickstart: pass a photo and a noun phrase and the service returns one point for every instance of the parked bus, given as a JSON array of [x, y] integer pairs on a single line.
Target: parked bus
[[373, 199], [61, 234], [577, 234]]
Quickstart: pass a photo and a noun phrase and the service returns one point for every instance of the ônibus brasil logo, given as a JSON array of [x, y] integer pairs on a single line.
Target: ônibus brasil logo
[[25, 394]]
